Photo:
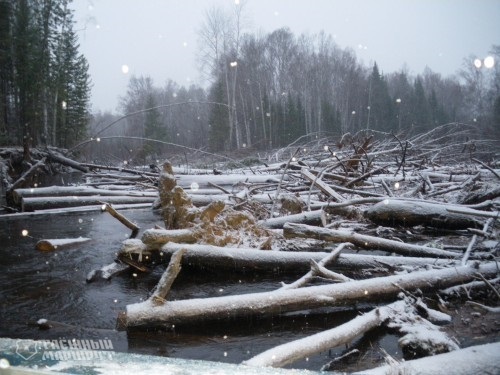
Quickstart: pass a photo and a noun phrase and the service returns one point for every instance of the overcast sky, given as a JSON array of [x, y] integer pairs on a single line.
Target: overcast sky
[[158, 38]]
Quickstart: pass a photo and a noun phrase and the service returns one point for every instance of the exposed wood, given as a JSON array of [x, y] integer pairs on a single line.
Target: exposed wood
[[291, 230], [244, 260], [59, 243], [158, 237], [268, 303], [57, 157], [332, 257], [162, 289], [315, 217], [41, 203]]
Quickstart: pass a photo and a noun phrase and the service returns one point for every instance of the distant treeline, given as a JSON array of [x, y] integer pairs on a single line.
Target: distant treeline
[[44, 80], [273, 88]]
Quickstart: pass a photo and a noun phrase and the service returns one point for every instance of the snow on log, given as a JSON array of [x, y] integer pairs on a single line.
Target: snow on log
[[310, 217], [224, 180], [64, 191], [41, 203], [394, 212], [55, 244], [158, 237], [122, 219], [474, 360], [280, 301], [325, 188], [293, 351], [402, 315], [291, 230], [246, 259], [162, 289]]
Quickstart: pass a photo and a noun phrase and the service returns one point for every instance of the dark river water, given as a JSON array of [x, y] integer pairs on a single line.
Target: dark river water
[[53, 286]]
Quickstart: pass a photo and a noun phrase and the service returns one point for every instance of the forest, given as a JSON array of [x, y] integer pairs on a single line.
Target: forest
[[262, 91]]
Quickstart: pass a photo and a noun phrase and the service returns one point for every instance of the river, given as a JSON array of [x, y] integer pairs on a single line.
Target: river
[[53, 286]]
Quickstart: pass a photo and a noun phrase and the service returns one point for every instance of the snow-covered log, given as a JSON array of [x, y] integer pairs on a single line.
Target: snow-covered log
[[158, 237], [58, 243], [474, 360], [394, 212], [42, 203], [280, 301], [290, 352], [315, 217], [291, 230], [401, 315], [246, 260], [64, 191]]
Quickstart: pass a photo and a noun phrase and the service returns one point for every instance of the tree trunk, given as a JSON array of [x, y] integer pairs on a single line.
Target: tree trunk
[[291, 230], [268, 303]]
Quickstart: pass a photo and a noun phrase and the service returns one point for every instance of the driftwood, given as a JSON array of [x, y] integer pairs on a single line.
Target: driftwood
[[401, 315], [122, 219], [161, 290], [474, 360], [322, 186], [65, 191], [41, 203], [57, 157], [56, 244], [394, 212], [25, 176], [285, 262], [316, 217], [281, 301], [366, 242]]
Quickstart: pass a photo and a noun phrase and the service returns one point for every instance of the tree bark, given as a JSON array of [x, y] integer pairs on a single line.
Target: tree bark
[[393, 212], [55, 244], [42, 203], [291, 230], [284, 262], [268, 303]]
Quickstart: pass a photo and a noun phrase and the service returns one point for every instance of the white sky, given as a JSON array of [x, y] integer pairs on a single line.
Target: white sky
[[159, 37]]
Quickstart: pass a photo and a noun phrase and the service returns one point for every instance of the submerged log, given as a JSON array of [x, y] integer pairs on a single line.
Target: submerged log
[[280, 301], [55, 244], [394, 212]]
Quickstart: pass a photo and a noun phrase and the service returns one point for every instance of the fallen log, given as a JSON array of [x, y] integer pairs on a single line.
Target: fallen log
[[315, 217], [285, 262], [321, 185], [162, 289], [57, 157], [280, 301], [23, 179], [56, 244], [43, 203], [291, 230], [65, 191], [474, 360], [122, 219], [393, 212], [402, 315], [158, 237]]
